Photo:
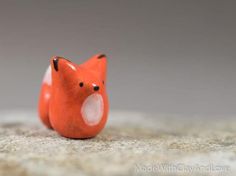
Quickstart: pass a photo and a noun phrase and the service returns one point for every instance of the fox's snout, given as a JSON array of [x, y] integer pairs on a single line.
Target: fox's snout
[[95, 87]]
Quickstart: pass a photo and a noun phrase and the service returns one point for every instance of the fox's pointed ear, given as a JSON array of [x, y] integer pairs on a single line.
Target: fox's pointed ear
[[62, 68], [61, 64], [98, 64]]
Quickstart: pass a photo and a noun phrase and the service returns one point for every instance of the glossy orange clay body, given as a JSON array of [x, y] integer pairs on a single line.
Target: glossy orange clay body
[[73, 99]]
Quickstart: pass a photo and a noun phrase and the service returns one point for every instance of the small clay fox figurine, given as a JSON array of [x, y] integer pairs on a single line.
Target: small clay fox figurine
[[73, 99]]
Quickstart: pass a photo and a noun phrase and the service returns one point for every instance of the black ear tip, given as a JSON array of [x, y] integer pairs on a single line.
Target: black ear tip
[[55, 63], [101, 56]]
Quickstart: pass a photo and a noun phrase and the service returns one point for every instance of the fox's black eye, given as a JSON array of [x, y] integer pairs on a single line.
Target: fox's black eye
[[81, 84], [103, 82]]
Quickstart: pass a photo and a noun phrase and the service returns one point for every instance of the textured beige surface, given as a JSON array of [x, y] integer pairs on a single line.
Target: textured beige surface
[[131, 144]]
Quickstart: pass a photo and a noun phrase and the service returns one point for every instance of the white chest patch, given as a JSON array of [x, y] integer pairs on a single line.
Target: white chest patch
[[92, 109], [48, 76]]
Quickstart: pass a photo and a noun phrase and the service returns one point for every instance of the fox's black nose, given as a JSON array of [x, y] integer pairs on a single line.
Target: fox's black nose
[[96, 88]]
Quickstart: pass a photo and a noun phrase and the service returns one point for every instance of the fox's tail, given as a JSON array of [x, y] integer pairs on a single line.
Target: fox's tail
[[44, 98]]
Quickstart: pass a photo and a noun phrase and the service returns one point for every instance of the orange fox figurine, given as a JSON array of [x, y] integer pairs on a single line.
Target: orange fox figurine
[[73, 99]]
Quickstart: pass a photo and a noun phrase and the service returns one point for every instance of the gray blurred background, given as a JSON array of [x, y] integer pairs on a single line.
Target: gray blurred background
[[171, 57]]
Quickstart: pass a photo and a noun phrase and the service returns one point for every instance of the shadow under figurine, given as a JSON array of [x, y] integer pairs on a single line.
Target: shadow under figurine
[[73, 99]]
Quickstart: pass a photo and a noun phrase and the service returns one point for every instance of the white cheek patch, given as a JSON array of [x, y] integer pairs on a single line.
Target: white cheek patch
[[48, 76], [92, 109]]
